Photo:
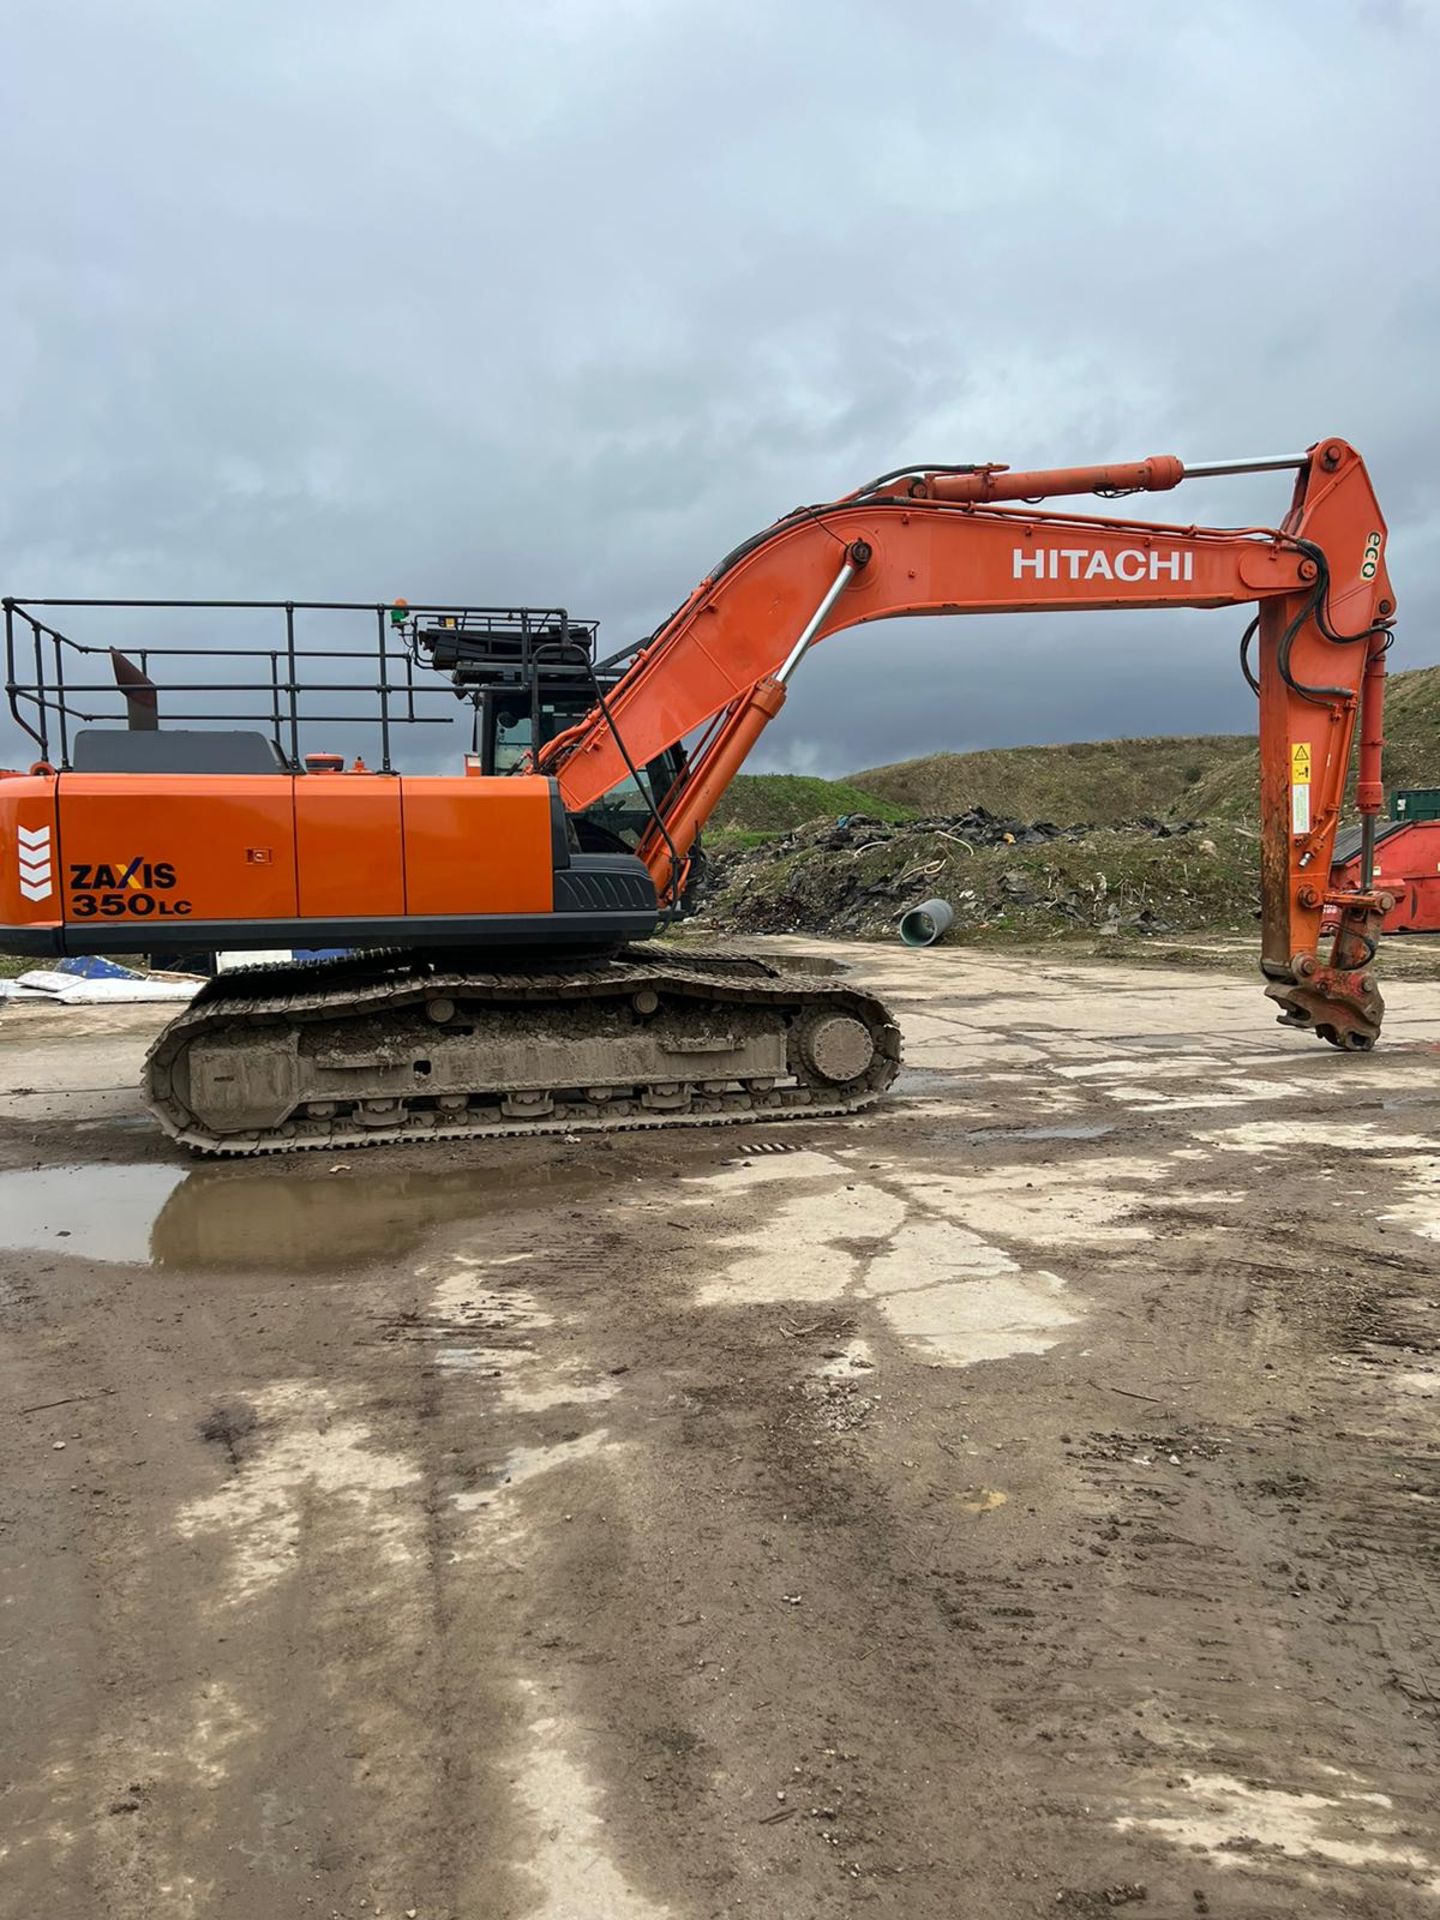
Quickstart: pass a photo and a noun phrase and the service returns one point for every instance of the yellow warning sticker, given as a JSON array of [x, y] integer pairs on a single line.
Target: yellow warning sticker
[[1300, 763]]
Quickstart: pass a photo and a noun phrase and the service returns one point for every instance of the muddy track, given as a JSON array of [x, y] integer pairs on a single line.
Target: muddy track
[[353, 1026]]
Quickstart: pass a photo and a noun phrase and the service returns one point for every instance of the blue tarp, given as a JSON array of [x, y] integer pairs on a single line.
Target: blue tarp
[[90, 966]]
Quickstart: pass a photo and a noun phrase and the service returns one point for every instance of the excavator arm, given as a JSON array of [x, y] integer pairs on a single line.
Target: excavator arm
[[971, 540]]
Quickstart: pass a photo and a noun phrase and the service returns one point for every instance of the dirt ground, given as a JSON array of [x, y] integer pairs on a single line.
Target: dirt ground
[[1021, 1500]]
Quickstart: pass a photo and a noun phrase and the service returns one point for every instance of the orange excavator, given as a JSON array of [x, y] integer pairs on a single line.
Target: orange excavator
[[496, 975]]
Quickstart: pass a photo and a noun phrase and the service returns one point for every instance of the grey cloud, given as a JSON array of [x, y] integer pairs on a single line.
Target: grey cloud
[[558, 302]]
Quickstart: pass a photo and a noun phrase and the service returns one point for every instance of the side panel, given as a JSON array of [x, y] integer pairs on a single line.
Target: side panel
[[477, 845], [29, 855], [176, 847], [348, 845]]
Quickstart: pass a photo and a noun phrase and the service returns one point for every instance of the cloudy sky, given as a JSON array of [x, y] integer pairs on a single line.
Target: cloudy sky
[[556, 302]]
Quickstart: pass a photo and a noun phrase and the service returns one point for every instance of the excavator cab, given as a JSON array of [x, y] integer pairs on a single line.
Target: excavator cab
[[616, 822], [533, 676]]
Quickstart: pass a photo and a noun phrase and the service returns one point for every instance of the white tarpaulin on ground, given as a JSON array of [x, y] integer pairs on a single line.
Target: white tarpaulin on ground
[[68, 990]]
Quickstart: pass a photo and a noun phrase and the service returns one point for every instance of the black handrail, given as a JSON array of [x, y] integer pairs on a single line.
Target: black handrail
[[293, 681]]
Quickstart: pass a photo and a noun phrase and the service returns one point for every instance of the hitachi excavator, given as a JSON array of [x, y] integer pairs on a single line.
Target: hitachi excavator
[[497, 978]]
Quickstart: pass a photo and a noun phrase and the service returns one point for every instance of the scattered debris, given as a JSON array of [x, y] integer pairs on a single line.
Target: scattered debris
[[87, 980], [1008, 878], [229, 1424], [1128, 1392], [1080, 1900], [922, 926], [70, 1400]]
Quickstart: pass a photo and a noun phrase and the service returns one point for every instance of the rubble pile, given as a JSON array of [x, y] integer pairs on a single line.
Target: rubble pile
[[857, 875]]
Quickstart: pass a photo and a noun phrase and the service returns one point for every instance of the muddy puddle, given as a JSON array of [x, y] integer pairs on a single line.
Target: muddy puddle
[[920, 1081], [248, 1218], [92, 1213]]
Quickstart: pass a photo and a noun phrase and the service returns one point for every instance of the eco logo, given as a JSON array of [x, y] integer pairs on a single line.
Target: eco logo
[[37, 872]]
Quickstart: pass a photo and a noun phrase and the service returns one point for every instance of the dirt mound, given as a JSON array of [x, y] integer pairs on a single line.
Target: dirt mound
[[1114, 781], [1106, 782], [1412, 749], [1005, 878], [776, 802]]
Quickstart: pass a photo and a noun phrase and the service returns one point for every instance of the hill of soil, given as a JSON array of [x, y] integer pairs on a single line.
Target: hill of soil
[[764, 803], [1109, 781], [1104, 781], [1138, 837], [1412, 749]]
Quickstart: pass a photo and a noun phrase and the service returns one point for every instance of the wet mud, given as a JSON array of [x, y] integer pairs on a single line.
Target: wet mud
[[1018, 1500]]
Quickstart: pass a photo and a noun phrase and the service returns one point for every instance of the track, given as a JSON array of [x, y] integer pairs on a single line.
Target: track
[[383, 1049]]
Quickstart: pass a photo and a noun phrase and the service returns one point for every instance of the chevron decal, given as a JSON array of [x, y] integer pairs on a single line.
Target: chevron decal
[[37, 872]]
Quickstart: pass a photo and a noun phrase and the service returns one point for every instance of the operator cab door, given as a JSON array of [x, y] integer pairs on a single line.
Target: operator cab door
[[618, 819]]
